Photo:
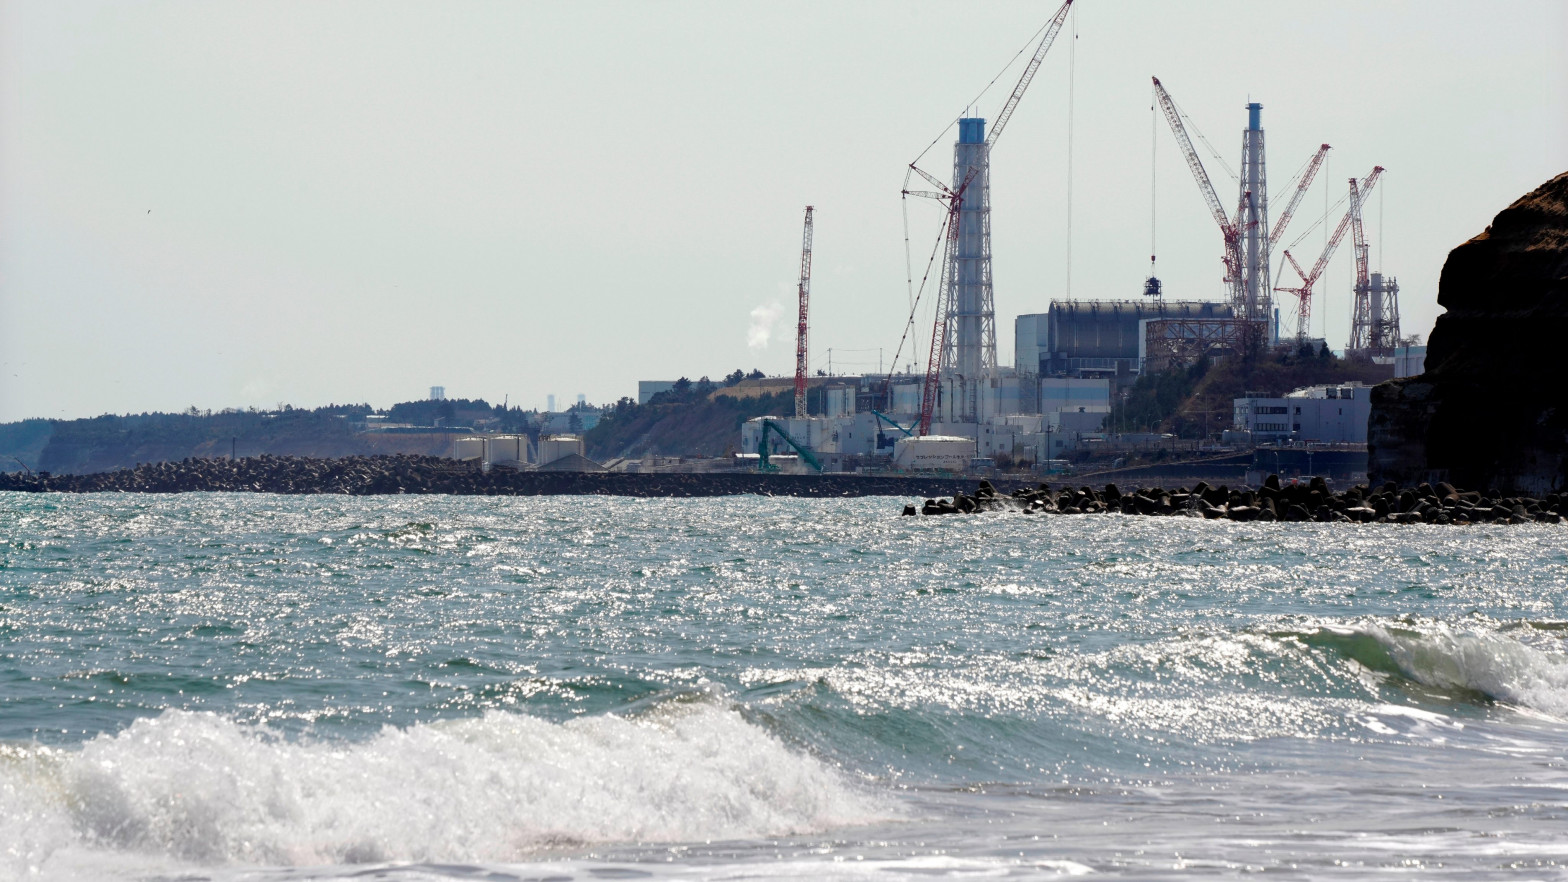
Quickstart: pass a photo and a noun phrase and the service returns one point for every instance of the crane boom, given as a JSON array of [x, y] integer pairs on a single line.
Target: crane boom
[[1230, 230], [1023, 82], [800, 329], [1310, 278], [933, 385], [1301, 190], [1358, 236], [1205, 185], [1360, 317], [1294, 264], [1365, 187]]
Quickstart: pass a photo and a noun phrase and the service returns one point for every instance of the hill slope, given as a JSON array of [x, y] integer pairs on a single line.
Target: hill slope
[[1198, 400], [695, 424]]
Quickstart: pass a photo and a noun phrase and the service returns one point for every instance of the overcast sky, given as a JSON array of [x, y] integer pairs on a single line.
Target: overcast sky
[[229, 204]]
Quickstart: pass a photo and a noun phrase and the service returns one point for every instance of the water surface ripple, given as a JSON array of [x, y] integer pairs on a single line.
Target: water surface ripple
[[259, 687]]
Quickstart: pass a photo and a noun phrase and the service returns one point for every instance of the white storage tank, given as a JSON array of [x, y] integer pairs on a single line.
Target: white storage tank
[[468, 448], [933, 453], [553, 447], [506, 449]]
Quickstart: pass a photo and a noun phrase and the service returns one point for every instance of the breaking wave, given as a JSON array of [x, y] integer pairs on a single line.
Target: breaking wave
[[199, 787], [1483, 664]]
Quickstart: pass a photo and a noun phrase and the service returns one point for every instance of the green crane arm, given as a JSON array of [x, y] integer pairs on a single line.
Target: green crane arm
[[890, 421], [762, 447]]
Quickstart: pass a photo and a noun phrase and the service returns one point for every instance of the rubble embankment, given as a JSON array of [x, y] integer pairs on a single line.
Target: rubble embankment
[[381, 475], [1274, 501]]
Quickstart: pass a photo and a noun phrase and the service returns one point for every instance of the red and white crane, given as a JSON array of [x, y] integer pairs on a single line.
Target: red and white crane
[[800, 329], [953, 198], [1229, 229], [1308, 279], [1374, 321], [1311, 172]]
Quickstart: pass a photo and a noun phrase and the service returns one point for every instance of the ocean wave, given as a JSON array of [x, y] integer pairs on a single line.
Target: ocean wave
[[1293, 677], [1464, 661], [1200, 687], [197, 787]]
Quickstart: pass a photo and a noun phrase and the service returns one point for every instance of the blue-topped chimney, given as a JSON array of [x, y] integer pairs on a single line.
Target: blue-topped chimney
[[1254, 117], [971, 130]]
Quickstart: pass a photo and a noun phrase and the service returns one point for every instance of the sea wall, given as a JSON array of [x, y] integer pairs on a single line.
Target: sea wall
[[376, 475], [1491, 411]]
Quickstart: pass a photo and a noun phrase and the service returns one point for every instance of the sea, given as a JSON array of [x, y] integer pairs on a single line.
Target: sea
[[255, 687]]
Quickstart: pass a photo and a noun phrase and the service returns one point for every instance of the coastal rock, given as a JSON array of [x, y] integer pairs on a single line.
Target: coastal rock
[[394, 474], [1300, 503], [1489, 411]]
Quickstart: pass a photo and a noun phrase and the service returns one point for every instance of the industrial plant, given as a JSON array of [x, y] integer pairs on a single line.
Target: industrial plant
[[1073, 360], [950, 405]]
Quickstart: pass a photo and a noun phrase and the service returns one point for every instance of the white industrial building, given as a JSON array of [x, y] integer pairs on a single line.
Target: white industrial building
[[1409, 361], [852, 434], [567, 421], [646, 389], [1099, 338], [1326, 414], [1011, 394], [1074, 395], [1022, 416]]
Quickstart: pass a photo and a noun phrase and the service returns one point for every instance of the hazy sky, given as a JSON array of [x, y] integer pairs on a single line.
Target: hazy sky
[[233, 204]]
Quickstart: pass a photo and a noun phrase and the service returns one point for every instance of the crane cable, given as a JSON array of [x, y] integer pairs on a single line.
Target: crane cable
[[1154, 167], [1005, 68], [1193, 127], [1321, 221], [1072, 73], [915, 303], [1324, 221], [909, 269], [1290, 186], [1383, 191]]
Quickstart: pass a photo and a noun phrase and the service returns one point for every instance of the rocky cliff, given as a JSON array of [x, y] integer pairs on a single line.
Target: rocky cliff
[[1491, 411]]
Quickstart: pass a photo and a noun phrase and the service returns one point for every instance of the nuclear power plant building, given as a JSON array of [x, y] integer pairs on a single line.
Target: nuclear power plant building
[[1098, 338]]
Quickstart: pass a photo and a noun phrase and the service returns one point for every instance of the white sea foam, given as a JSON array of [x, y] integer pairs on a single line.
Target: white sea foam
[[198, 788], [1494, 665]]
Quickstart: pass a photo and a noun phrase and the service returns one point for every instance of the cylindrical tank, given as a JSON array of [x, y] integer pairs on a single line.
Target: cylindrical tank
[[553, 447], [506, 448], [468, 448], [933, 452]]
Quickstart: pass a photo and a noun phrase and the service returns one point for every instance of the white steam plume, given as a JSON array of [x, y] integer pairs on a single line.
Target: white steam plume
[[762, 320]]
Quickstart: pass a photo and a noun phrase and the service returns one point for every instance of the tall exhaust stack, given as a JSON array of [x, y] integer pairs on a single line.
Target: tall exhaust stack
[[971, 329], [1258, 305]]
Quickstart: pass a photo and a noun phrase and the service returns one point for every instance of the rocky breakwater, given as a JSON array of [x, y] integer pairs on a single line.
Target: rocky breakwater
[[391, 474], [355, 475], [1491, 409], [1274, 501]]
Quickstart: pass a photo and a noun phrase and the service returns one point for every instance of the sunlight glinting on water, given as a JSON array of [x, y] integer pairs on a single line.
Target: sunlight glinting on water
[[221, 683]]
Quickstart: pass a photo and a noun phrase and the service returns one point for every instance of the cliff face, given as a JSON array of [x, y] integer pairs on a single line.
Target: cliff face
[[1491, 411]]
